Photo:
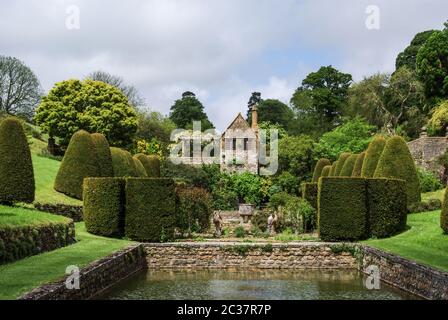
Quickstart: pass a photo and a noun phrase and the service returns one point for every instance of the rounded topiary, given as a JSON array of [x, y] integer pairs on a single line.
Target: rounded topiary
[[16, 167], [154, 166], [396, 162], [141, 172], [349, 164], [358, 165], [319, 167], [326, 171], [144, 159], [373, 154], [340, 163], [80, 161], [444, 214], [103, 154], [333, 168], [123, 163]]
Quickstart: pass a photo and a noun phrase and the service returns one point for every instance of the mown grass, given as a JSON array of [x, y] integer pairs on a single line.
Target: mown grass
[[17, 216], [22, 276]]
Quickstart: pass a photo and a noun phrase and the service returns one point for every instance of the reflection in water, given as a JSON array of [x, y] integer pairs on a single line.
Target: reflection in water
[[250, 285]]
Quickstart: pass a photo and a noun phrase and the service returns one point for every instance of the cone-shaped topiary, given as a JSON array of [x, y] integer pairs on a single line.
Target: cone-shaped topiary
[[349, 164], [444, 214], [373, 154], [397, 162], [358, 165], [326, 171], [333, 168], [16, 168], [80, 161], [144, 159], [341, 161], [103, 154], [141, 172], [124, 165], [319, 167], [154, 169]]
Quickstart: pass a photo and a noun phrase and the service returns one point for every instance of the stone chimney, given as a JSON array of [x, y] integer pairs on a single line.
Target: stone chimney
[[254, 111]]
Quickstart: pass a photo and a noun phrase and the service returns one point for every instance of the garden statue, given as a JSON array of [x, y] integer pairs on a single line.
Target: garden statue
[[272, 220], [217, 221]]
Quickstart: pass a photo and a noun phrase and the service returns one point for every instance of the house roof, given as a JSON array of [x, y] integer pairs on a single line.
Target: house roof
[[238, 123]]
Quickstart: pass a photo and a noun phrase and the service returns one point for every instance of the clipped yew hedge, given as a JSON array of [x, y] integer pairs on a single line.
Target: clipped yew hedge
[[358, 165], [104, 206], [140, 169], [123, 163], [154, 166], [373, 154], [16, 167], [349, 165], [340, 163], [319, 167], [309, 193], [326, 171], [342, 210], [150, 209], [444, 214], [102, 147], [333, 169], [387, 206]]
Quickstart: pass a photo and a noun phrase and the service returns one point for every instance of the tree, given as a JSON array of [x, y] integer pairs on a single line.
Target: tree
[[189, 109], [353, 136], [16, 167], [273, 111], [408, 57], [88, 105], [320, 100], [432, 64], [438, 123], [295, 154], [20, 89], [134, 97]]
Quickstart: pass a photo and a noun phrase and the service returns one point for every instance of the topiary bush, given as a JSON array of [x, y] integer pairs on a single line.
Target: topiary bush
[[194, 209], [387, 206], [319, 167], [124, 165], [326, 171], [150, 211], [444, 214], [144, 160], [104, 206], [428, 181], [80, 161], [140, 169], [358, 165], [340, 163], [16, 167], [349, 165], [102, 147], [153, 169], [396, 162], [333, 169], [309, 193], [342, 209], [373, 154], [430, 205]]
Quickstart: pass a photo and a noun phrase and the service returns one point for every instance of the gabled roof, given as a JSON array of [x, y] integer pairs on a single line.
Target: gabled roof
[[238, 123]]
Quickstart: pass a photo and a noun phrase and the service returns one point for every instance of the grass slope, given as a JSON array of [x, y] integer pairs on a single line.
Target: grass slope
[[22, 276], [424, 242], [16, 216]]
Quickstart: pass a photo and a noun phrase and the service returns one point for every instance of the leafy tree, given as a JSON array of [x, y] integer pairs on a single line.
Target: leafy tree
[[438, 123], [432, 64], [89, 105], [353, 136], [153, 124], [320, 100], [273, 111], [20, 89], [408, 57], [189, 109], [295, 154]]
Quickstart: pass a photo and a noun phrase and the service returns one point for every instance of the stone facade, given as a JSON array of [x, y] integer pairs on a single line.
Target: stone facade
[[426, 152]]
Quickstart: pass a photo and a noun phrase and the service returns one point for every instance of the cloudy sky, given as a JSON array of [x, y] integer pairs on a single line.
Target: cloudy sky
[[220, 49]]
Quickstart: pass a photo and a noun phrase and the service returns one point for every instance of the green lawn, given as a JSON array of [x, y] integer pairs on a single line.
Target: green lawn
[[15, 216], [22, 276], [424, 242]]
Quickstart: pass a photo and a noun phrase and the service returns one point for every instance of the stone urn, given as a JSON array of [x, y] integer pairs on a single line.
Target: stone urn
[[246, 211]]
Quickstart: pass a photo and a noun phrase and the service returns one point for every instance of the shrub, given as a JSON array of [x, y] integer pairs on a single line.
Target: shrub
[[387, 206], [349, 165], [248, 187], [333, 169], [397, 162], [153, 169], [309, 193], [358, 165], [373, 154], [319, 167], [239, 232], [124, 165], [444, 214], [106, 168], [144, 160], [194, 209], [299, 215], [260, 220], [190, 175], [80, 161], [340, 163], [430, 205], [428, 181], [140, 169], [278, 200], [288, 182], [326, 171], [150, 209], [16, 167], [342, 212], [103, 206]]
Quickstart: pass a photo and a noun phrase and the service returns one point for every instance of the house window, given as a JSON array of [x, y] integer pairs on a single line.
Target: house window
[[234, 144], [246, 144]]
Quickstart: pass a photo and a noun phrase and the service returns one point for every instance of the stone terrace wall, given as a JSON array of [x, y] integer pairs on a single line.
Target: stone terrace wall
[[427, 150], [248, 255]]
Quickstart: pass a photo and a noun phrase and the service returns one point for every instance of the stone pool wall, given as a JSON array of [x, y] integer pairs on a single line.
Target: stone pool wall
[[95, 278], [249, 255]]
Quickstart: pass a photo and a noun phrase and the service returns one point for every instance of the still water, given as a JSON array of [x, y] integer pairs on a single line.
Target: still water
[[250, 285]]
